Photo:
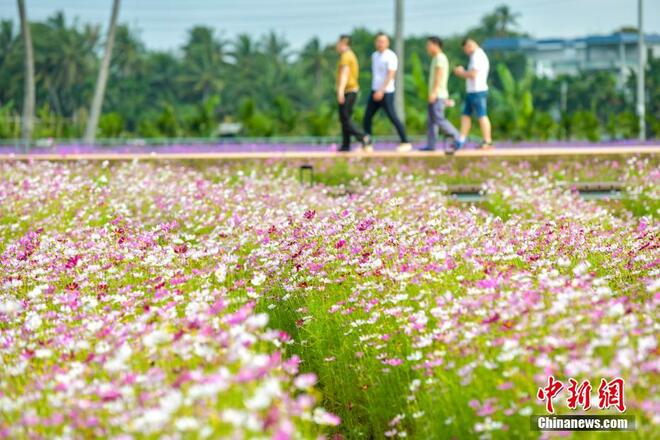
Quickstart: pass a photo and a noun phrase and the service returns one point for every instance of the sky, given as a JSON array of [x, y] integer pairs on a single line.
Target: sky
[[163, 24]]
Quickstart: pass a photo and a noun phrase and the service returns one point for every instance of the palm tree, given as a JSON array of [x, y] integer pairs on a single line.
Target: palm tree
[[97, 102], [315, 63], [29, 97], [276, 48], [275, 78], [205, 59], [66, 59], [6, 39], [515, 102], [505, 20]]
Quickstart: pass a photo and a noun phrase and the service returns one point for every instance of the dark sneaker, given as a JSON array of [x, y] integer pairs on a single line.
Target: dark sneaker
[[486, 145], [344, 150], [458, 145], [427, 148], [451, 149]]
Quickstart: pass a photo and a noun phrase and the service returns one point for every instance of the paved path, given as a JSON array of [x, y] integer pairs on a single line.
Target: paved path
[[316, 155]]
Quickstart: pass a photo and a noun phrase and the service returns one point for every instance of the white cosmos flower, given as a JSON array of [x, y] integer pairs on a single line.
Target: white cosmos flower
[[414, 385], [616, 310], [258, 279], [264, 395], [118, 362], [151, 421], [33, 321], [156, 337], [221, 273], [234, 417], [9, 307], [36, 292], [653, 286], [43, 353], [257, 321], [186, 424], [376, 264], [171, 401], [581, 268], [646, 344]]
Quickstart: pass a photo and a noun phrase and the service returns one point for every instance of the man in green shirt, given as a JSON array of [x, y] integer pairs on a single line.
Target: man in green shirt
[[438, 96]]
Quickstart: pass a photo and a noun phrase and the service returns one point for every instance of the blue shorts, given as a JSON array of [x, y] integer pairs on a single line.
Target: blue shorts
[[476, 102]]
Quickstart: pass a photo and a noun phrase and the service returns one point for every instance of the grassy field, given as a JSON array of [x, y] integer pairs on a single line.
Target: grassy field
[[180, 300]]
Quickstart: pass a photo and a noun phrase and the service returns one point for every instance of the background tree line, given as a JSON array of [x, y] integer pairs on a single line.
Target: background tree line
[[273, 90]]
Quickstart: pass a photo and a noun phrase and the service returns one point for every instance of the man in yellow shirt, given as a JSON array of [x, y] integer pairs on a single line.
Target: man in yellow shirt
[[348, 87]]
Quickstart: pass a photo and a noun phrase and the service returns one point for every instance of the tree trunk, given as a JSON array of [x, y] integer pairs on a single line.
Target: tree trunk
[[399, 48], [29, 93], [99, 92]]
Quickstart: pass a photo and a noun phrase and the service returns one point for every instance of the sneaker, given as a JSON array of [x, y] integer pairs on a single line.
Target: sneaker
[[451, 149], [427, 148], [367, 141], [486, 145], [364, 149], [344, 150], [404, 147], [458, 145]]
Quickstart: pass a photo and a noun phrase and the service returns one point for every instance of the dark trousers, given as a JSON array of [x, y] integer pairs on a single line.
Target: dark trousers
[[348, 127], [387, 104]]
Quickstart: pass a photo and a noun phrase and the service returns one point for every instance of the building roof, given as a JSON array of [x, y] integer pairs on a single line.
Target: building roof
[[617, 38]]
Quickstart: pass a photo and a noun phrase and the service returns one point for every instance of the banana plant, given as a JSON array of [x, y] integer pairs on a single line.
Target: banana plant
[[514, 102]]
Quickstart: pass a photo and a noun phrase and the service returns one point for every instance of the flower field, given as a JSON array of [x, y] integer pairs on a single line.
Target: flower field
[[174, 300]]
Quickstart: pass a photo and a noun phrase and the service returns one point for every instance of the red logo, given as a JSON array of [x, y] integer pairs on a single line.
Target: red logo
[[579, 395], [549, 392], [611, 394]]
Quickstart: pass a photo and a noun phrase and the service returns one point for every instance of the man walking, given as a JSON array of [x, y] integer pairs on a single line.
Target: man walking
[[384, 64], [476, 79], [438, 96], [347, 91]]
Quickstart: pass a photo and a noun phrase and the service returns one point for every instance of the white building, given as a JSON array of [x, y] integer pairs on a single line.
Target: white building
[[551, 57]]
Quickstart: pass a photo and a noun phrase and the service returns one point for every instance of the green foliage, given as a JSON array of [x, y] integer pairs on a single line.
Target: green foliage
[[285, 114], [417, 77], [416, 118], [167, 123], [210, 79], [513, 104], [585, 125], [147, 128], [340, 173], [255, 122], [204, 120], [9, 127], [543, 126], [320, 121], [111, 125]]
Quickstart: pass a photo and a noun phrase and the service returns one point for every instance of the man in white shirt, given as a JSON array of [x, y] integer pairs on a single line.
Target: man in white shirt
[[384, 64], [476, 79]]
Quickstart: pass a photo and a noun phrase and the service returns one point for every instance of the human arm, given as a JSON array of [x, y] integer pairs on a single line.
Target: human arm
[[460, 72], [341, 85], [380, 93], [433, 95]]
